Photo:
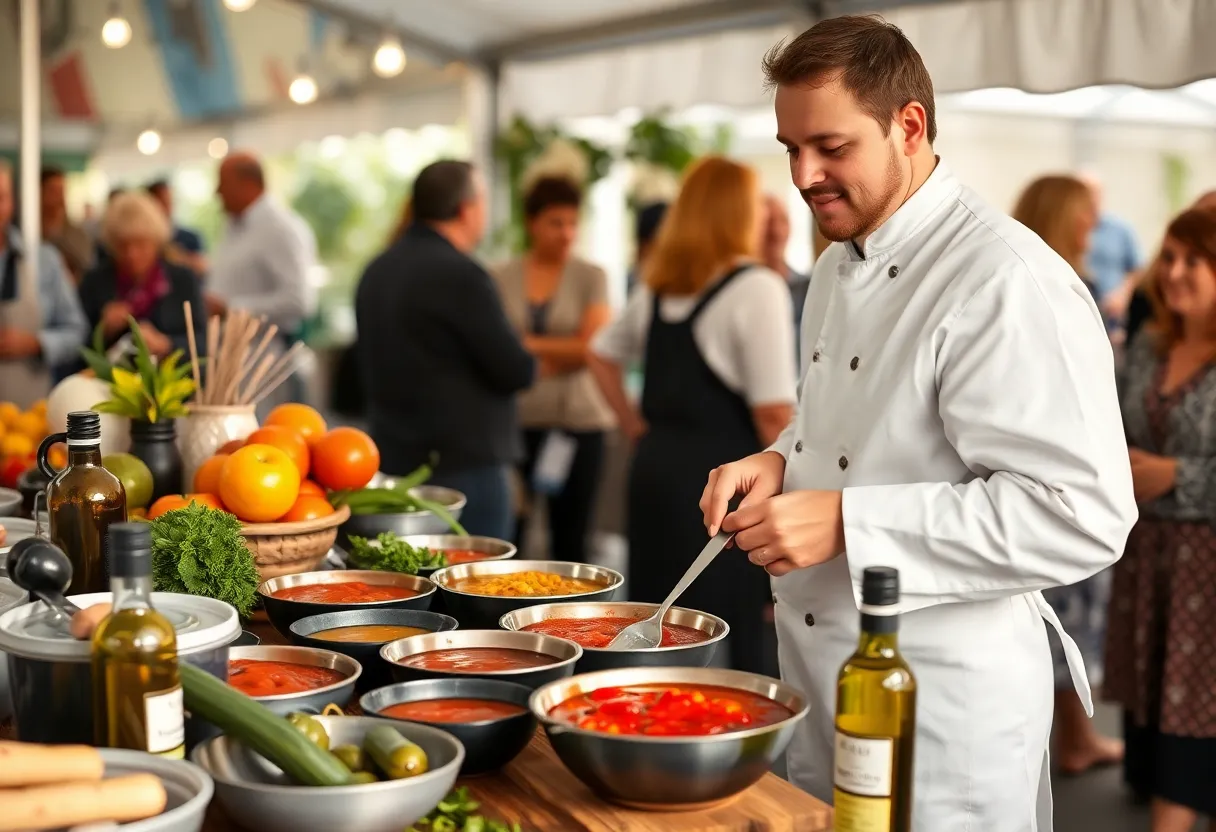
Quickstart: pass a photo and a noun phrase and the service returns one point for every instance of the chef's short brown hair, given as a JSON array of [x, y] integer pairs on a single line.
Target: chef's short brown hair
[[872, 58]]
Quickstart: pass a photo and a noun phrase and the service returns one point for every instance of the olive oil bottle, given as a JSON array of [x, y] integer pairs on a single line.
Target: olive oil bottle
[[875, 718], [137, 693], [82, 500]]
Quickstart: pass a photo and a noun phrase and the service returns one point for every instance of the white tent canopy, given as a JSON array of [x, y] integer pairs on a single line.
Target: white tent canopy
[[595, 57]]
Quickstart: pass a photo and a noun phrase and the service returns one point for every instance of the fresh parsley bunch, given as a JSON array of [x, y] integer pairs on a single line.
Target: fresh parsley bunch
[[200, 551], [389, 553]]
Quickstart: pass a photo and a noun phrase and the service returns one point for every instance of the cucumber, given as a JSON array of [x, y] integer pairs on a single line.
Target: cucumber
[[396, 756], [259, 729]]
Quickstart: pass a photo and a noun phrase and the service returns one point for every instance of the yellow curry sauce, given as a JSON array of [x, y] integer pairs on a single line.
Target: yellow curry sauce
[[530, 584]]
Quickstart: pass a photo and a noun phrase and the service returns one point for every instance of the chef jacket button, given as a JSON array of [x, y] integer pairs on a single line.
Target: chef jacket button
[[853, 364], [798, 447], [815, 355], [809, 620], [843, 462], [774, 597], [893, 271]]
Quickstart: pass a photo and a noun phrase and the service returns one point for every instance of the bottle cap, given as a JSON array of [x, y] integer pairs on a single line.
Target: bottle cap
[[84, 425], [130, 546], [880, 586]]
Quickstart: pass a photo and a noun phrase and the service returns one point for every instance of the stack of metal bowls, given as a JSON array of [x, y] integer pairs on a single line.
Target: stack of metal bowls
[[284, 612], [668, 773], [697, 654]]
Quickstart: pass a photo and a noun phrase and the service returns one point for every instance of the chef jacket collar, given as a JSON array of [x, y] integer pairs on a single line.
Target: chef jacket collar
[[911, 217]]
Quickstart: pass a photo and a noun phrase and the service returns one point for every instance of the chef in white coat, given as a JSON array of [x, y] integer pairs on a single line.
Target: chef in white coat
[[957, 420]]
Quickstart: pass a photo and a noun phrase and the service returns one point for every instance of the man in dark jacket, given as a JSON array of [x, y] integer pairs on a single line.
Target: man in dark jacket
[[439, 361]]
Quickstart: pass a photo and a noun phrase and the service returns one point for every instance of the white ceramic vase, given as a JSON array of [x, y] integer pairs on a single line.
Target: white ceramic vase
[[206, 429]]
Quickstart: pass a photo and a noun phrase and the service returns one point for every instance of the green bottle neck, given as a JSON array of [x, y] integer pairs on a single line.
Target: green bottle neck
[[879, 636]]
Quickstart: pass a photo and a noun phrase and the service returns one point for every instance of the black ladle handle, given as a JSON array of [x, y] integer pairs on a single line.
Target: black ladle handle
[[59, 603]]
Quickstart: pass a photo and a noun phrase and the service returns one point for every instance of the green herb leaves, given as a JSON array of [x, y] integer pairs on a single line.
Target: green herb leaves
[[200, 551], [455, 813], [389, 553], [146, 391]]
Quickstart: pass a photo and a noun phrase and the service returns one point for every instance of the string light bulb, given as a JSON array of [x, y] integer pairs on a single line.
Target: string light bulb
[[148, 142], [116, 31], [217, 148], [239, 5], [389, 59], [303, 89]]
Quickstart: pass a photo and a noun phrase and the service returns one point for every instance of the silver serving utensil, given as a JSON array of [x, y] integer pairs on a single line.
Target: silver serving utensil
[[648, 632]]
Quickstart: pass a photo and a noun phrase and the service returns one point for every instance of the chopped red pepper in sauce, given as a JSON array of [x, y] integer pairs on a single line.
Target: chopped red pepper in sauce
[[670, 711], [598, 632]]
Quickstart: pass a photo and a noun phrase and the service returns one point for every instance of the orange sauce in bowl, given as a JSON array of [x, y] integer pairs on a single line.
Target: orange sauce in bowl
[[345, 592], [453, 710], [255, 677]]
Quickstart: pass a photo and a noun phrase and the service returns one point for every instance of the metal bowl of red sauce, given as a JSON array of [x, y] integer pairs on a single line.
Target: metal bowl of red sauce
[[287, 679], [690, 638], [526, 658], [669, 738], [472, 592], [459, 549], [289, 598], [360, 634], [490, 717]]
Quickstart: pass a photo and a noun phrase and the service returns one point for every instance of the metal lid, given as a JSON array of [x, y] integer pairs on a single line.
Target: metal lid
[[35, 632]]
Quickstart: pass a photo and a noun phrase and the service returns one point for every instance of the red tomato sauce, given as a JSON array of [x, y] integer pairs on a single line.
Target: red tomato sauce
[[597, 632], [456, 556], [670, 711], [347, 592], [478, 659], [254, 677], [453, 710]]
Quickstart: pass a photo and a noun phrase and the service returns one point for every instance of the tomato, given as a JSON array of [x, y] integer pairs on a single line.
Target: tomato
[[12, 468], [207, 477], [345, 458], [172, 502], [311, 489], [259, 483], [307, 507], [301, 418], [285, 439]]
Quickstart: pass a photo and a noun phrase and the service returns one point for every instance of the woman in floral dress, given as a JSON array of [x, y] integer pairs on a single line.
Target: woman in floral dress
[[1161, 652]]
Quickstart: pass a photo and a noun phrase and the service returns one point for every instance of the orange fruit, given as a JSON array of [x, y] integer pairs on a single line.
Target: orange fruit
[[307, 507], [299, 417], [17, 444], [345, 458], [207, 477], [230, 446], [172, 502], [32, 425], [57, 456], [311, 489], [9, 414], [285, 439], [259, 483]]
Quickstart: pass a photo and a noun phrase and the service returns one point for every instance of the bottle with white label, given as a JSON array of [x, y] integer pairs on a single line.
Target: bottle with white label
[[875, 718], [137, 693]]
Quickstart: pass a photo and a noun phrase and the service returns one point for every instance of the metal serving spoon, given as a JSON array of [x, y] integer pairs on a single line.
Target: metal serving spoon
[[649, 632], [41, 567]]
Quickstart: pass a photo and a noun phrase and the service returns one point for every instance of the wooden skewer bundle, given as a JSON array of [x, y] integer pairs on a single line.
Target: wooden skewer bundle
[[237, 372]]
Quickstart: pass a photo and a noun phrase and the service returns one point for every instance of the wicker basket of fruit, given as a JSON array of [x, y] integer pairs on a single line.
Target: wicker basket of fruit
[[288, 548]]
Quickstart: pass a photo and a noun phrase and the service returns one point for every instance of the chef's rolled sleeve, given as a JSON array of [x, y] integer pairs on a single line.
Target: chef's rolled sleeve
[[1026, 394]]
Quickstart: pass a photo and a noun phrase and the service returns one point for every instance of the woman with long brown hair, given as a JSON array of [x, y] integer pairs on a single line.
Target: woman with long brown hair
[[1160, 654], [1062, 211], [715, 332]]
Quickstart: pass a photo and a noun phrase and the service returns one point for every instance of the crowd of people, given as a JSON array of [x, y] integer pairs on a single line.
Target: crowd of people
[[134, 262]]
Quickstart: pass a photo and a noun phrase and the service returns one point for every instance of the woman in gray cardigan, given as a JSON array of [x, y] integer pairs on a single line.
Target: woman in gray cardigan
[[558, 302]]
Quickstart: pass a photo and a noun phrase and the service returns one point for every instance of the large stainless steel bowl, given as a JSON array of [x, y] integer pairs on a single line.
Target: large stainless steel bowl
[[188, 789], [565, 654], [668, 773], [598, 658], [283, 612], [257, 795], [475, 610], [493, 548], [339, 693], [405, 522]]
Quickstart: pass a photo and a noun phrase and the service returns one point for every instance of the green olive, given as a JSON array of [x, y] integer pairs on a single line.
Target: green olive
[[310, 728], [351, 756]]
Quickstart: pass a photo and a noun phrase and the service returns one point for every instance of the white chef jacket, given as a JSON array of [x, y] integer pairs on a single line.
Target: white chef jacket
[[959, 387]]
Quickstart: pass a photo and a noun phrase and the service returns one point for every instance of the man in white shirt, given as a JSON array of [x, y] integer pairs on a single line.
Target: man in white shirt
[[957, 421], [262, 265]]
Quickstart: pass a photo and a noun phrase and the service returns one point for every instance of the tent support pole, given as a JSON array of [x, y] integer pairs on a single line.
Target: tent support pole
[[31, 128]]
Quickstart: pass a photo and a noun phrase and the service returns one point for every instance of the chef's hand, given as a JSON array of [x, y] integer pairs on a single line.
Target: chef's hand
[[1153, 476], [758, 477], [17, 343], [789, 531]]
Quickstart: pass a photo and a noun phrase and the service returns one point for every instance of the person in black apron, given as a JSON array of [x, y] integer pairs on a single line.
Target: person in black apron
[[696, 423]]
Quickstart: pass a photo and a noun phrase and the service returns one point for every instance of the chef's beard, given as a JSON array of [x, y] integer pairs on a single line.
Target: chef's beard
[[867, 211]]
